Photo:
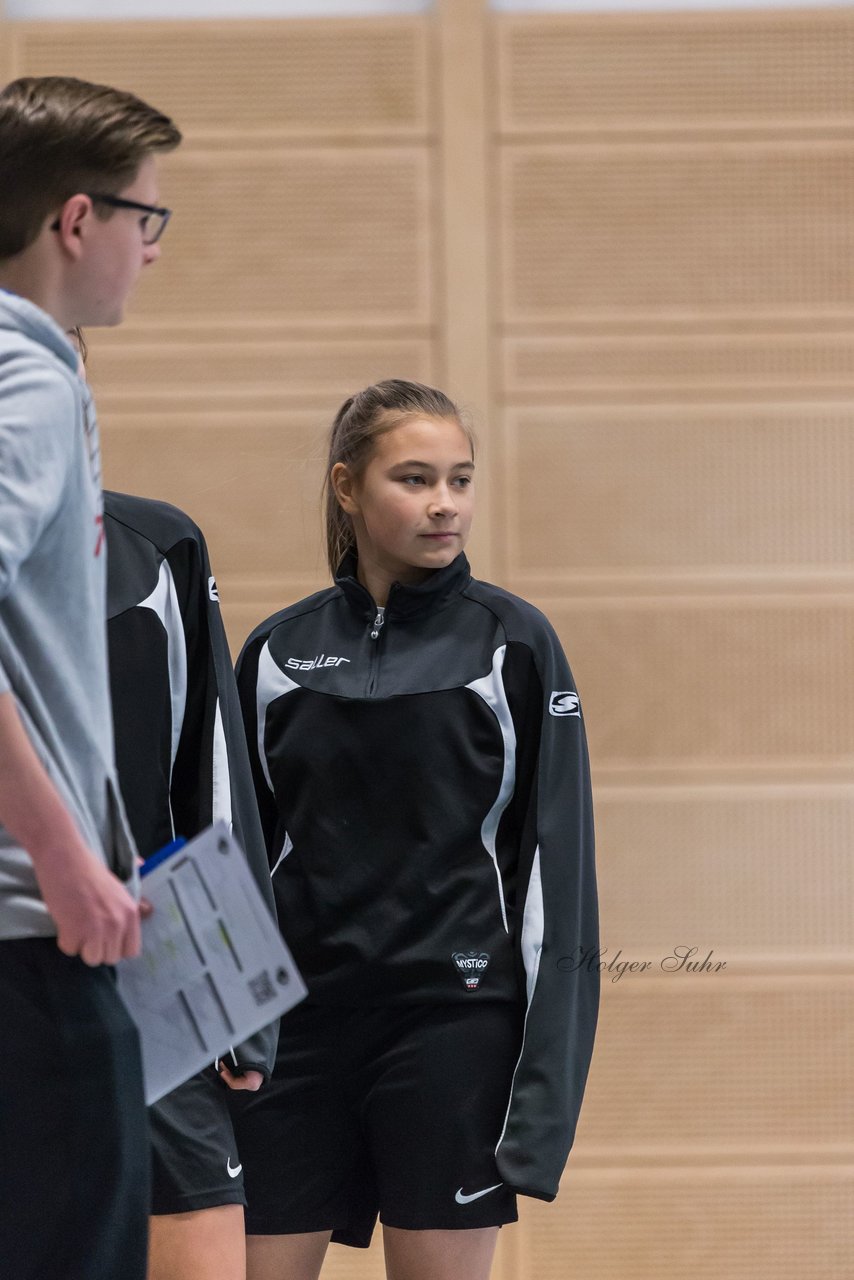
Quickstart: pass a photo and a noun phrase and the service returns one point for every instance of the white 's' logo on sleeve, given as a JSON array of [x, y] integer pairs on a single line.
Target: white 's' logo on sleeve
[[212, 591], [564, 704]]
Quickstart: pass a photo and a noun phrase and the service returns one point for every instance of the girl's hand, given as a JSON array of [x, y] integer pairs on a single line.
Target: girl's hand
[[251, 1080]]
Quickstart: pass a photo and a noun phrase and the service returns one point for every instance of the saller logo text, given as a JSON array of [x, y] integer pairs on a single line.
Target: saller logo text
[[308, 664]]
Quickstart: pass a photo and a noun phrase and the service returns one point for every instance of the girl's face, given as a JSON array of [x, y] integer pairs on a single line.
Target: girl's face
[[412, 505]]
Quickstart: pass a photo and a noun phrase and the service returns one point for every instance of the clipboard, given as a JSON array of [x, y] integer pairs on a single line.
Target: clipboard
[[213, 968]]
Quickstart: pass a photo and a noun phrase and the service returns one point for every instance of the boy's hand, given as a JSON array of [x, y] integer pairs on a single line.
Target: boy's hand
[[95, 916]]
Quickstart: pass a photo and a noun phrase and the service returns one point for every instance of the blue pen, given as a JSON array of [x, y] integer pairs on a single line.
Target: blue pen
[[161, 855]]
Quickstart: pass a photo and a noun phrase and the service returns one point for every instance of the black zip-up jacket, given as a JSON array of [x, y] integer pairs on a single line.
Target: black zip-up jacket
[[424, 791], [180, 749]]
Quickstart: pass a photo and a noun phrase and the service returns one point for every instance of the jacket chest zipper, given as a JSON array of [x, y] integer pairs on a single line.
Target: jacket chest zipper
[[376, 629]]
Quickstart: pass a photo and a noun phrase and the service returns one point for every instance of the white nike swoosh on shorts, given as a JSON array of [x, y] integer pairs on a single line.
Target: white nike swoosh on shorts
[[461, 1199], [233, 1173]]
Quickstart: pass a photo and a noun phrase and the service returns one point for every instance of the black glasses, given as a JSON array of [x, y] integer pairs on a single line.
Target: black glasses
[[153, 224]]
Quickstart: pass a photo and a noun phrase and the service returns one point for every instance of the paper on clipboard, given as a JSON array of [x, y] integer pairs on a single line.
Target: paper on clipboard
[[213, 969]]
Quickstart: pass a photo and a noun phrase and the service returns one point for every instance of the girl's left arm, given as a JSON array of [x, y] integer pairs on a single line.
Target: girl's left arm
[[558, 936]]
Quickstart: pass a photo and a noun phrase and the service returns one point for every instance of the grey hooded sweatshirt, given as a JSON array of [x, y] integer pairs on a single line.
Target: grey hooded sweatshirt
[[53, 647]]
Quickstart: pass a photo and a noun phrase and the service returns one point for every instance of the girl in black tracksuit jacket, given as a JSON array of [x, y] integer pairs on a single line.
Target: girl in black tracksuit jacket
[[422, 775]]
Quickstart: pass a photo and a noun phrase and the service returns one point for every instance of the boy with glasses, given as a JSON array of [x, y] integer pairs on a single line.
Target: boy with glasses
[[79, 219]]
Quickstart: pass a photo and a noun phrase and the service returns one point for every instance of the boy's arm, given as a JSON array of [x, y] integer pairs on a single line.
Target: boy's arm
[[95, 916]]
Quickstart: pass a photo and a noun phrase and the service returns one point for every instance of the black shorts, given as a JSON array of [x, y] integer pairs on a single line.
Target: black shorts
[[393, 1109], [73, 1130], [194, 1160]]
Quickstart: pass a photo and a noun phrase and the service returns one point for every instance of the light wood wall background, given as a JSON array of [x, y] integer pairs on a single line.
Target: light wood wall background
[[627, 243]]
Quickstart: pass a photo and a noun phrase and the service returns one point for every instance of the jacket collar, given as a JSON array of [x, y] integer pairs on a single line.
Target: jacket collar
[[404, 602]]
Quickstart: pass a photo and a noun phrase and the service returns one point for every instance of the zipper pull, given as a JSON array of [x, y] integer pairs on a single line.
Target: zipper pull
[[378, 622]]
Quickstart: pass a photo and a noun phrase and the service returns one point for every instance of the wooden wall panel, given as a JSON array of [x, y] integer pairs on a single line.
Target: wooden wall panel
[[735, 229], [252, 369], [463, 182], [355, 1264], [8, 50], [253, 487], [705, 864], [673, 213], [717, 1223], [328, 235], [771, 1057], [678, 366], [679, 488], [300, 78], [768, 70], [712, 683]]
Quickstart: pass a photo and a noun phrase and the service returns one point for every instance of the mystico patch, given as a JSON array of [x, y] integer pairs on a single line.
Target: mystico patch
[[471, 966]]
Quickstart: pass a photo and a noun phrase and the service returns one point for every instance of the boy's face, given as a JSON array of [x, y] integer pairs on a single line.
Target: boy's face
[[115, 254]]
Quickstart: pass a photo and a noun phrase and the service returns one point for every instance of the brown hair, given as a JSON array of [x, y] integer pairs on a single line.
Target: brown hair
[[358, 423], [77, 339], [59, 137]]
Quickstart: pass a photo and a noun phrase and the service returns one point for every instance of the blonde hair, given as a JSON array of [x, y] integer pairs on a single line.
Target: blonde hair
[[357, 425]]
